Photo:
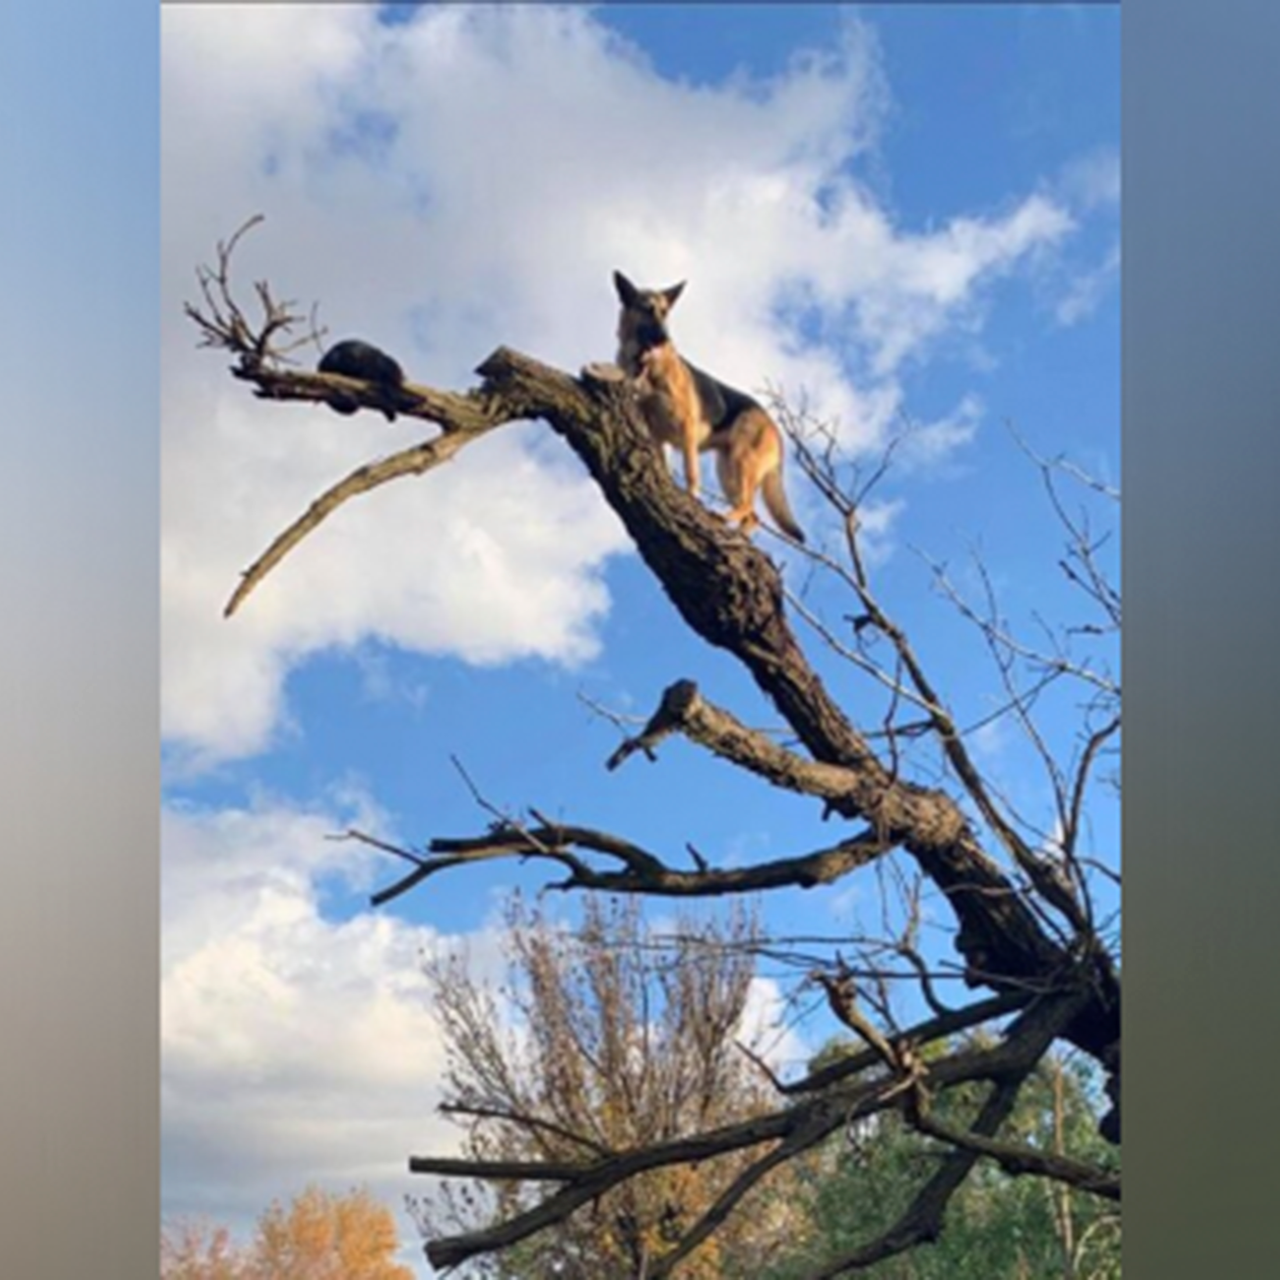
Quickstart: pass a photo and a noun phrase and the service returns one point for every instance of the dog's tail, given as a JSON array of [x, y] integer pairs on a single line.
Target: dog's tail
[[775, 499]]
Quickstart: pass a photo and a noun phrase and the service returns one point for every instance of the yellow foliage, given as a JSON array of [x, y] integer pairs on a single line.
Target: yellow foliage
[[318, 1236]]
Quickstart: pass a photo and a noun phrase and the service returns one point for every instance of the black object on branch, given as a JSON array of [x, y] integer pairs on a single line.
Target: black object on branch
[[356, 359]]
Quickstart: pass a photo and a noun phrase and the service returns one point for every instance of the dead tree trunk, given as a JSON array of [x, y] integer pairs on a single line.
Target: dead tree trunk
[[1060, 983]]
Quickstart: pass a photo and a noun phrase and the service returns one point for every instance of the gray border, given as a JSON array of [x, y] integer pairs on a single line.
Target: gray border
[[79, 784], [1202, 525]]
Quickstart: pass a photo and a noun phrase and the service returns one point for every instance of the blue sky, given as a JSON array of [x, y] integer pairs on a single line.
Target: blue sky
[[908, 214]]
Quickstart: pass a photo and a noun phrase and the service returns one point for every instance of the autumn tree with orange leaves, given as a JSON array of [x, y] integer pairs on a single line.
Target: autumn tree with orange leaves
[[318, 1236]]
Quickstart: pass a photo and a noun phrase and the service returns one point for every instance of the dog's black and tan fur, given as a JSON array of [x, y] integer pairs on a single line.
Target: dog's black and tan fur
[[692, 411]]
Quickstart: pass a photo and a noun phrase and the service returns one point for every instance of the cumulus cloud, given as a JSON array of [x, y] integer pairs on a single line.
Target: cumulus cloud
[[468, 178], [290, 1041], [298, 1044]]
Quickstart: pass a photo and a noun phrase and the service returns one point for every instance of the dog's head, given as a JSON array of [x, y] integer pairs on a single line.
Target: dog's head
[[644, 312]]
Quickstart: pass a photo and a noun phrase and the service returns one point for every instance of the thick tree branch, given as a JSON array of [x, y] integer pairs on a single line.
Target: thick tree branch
[[1027, 1041], [642, 871], [1016, 1159], [803, 1139], [588, 1182], [522, 1121], [414, 461], [684, 710], [806, 1122], [923, 1218], [730, 593]]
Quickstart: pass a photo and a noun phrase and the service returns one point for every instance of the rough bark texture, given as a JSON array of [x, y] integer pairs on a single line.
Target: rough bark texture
[[730, 593]]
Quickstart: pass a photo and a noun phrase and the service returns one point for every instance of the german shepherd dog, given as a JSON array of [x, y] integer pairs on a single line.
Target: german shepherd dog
[[692, 411]]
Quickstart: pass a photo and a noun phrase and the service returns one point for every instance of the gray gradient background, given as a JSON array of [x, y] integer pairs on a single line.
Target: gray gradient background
[[79, 646], [79, 1083], [1201, 413]]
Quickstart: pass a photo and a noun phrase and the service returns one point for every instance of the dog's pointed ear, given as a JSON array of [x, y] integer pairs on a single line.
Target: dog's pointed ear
[[628, 294], [673, 293]]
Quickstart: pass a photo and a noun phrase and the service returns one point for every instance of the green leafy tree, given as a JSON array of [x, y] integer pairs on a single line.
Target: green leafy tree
[[1016, 1228]]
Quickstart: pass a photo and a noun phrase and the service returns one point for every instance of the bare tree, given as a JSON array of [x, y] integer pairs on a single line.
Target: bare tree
[[607, 1038], [1025, 934]]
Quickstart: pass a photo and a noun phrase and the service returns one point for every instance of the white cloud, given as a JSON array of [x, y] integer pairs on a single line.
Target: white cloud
[[1089, 185], [765, 1028], [469, 179], [1085, 291], [378, 682], [930, 443], [991, 740], [495, 560], [295, 1048], [1092, 181], [876, 519]]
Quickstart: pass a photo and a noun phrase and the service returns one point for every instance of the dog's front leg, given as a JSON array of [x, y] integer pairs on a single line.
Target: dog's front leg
[[692, 475]]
